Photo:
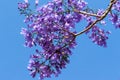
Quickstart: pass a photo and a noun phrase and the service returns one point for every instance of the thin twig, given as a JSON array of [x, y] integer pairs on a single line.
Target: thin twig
[[86, 13]]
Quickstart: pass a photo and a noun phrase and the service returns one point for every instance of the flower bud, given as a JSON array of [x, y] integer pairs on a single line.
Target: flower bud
[[36, 2], [26, 1]]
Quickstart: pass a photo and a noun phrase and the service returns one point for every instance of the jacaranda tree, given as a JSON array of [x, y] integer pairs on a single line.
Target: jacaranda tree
[[51, 28]]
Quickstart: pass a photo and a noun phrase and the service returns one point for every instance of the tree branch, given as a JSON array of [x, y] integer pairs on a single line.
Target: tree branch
[[89, 27], [99, 19]]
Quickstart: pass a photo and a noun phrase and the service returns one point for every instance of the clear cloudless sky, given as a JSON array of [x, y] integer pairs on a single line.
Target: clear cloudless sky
[[88, 62]]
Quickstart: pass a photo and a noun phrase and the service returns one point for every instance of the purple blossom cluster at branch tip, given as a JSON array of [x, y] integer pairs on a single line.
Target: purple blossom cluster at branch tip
[[115, 14], [51, 29], [116, 6], [99, 36], [115, 20]]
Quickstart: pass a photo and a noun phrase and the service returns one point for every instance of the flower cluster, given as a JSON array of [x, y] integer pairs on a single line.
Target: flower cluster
[[115, 20], [51, 28], [99, 36], [114, 15], [116, 6]]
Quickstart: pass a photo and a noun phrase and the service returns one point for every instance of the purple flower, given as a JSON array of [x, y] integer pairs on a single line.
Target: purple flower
[[26, 1], [115, 20], [118, 25], [116, 6], [33, 73], [28, 37], [100, 12], [78, 4], [22, 5], [36, 2], [99, 36]]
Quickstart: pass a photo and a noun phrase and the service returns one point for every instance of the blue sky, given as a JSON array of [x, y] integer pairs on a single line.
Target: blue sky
[[88, 62]]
